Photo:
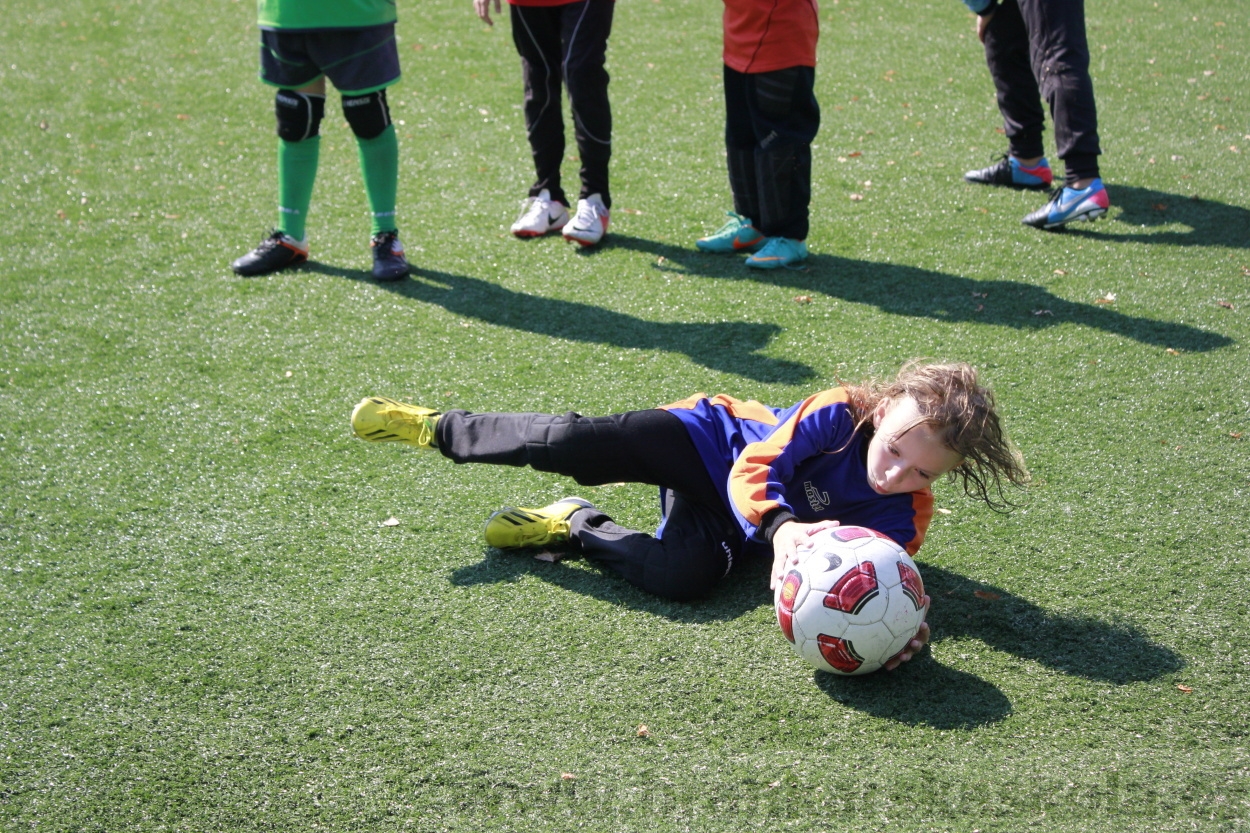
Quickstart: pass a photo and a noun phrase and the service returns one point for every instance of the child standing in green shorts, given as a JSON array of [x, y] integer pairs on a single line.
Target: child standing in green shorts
[[304, 42]]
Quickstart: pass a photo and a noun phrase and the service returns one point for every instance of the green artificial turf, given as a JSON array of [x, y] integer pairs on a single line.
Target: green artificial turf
[[222, 612]]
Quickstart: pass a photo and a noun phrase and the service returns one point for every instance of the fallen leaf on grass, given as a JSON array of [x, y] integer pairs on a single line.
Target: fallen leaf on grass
[[802, 299], [1184, 689], [1236, 435], [1109, 298], [987, 595], [643, 731], [942, 511], [631, 211], [856, 197], [567, 776], [1042, 312], [854, 154], [548, 557], [391, 521], [1172, 352], [1061, 271], [1225, 305]]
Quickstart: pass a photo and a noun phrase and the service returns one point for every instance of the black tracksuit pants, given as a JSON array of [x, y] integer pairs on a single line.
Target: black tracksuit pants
[[771, 119], [699, 538], [1036, 50], [566, 44]]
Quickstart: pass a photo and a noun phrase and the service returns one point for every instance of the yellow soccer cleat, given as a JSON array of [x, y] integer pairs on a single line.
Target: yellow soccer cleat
[[511, 528], [381, 420]]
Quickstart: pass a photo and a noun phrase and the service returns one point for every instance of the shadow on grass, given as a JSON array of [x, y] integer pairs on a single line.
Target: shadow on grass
[[737, 595], [726, 346], [1154, 216], [920, 293], [922, 693], [1078, 645], [1081, 646], [735, 346]]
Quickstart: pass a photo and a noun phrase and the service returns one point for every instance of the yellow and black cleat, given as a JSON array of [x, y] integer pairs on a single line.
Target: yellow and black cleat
[[381, 420]]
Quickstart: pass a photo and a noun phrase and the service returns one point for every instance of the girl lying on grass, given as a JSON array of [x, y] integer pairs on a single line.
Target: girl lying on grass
[[735, 477]]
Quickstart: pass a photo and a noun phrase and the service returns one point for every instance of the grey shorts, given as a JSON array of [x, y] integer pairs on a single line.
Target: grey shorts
[[357, 61]]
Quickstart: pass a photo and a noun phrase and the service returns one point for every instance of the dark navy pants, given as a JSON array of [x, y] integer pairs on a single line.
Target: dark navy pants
[[698, 539], [771, 119], [568, 44], [1036, 50]]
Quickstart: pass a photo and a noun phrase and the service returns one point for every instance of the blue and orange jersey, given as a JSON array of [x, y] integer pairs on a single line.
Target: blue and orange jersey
[[809, 460]]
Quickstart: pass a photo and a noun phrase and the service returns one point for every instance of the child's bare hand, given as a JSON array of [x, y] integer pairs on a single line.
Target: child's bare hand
[[917, 643], [482, 7], [983, 23], [786, 542]]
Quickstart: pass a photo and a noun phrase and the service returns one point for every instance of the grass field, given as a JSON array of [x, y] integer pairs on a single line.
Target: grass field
[[210, 625]]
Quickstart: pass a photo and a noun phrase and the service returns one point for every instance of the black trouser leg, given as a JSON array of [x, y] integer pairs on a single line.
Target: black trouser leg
[[1046, 37], [585, 27], [1060, 54], [536, 33], [1007, 53], [695, 549], [566, 44], [771, 119], [699, 537]]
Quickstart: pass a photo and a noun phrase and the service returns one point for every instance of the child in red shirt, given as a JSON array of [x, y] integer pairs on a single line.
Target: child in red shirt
[[771, 118]]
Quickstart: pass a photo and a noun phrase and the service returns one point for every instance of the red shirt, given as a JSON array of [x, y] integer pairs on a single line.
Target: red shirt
[[767, 35]]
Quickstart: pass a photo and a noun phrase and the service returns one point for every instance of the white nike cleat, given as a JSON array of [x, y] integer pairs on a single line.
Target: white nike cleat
[[540, 215], [590, 223]]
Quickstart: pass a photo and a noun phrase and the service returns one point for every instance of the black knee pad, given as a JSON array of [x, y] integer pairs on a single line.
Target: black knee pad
[[299, 114], [368, 115]]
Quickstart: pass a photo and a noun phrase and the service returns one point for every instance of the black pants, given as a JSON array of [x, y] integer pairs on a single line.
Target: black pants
[[771, 119], [1036, 49], [566, 43], [699, 538]]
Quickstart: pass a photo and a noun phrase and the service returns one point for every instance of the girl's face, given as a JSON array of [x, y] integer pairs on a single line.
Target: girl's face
[[904, 455]]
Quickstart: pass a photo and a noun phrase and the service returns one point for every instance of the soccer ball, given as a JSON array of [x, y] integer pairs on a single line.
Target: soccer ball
[[854, 601]]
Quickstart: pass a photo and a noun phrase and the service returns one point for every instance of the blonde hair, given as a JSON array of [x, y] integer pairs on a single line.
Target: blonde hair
[[961, 412]]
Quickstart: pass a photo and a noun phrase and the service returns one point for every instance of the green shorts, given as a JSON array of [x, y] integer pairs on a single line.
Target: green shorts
[[357, 61]]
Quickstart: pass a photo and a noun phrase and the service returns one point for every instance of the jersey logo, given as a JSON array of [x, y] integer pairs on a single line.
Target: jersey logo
[[818, 499]]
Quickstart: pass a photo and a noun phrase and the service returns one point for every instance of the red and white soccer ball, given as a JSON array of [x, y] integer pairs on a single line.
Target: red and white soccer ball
[[854, 601]]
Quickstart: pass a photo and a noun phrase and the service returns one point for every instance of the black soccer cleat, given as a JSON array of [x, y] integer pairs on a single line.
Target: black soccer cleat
[[1008, 171], [276, 252], [388, 257]]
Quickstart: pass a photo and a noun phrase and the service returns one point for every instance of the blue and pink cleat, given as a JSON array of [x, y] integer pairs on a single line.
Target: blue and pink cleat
[[1009, 172], [1069, 204]]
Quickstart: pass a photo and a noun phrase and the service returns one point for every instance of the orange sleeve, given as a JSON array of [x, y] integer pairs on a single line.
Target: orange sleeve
[[755, 479]]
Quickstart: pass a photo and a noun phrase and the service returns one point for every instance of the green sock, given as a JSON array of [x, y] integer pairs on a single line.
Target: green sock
[[297, 171], [379, 164]]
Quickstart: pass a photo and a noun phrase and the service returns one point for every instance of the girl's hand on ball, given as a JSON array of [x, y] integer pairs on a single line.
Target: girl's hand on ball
[[786, 542], [914, 647]]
